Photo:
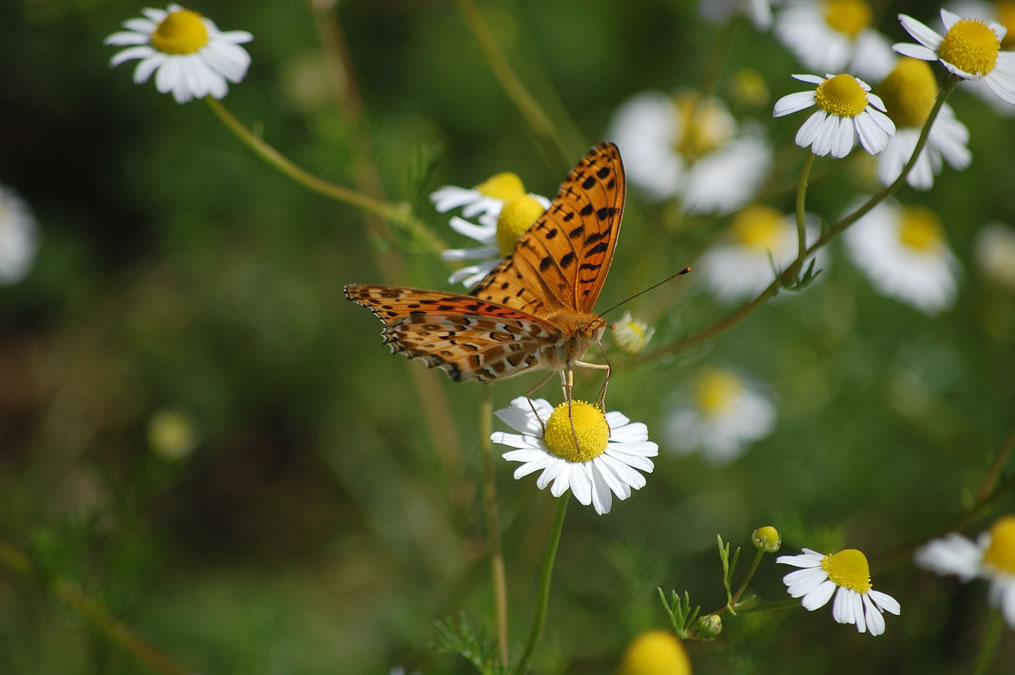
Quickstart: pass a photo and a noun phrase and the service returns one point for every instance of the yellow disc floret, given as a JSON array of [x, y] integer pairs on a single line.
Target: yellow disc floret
[[589, 427], [909, 92], [503, 186], [703, 126], [182, 32], [920, 229], [842, 96], [715, 390], [848, 569], [655, 653], [849, 17], [1001, 553], [970, 46], [757, 227], [515, 218]]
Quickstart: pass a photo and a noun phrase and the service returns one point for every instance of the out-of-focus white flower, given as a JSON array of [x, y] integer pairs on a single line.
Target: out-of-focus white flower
[[724, 416], [903, 252], [188, 54], [758, 11], [835, 36], [17, 237], [846, 110], [909, 93], [995, 253], [632, 335], [688, 148]]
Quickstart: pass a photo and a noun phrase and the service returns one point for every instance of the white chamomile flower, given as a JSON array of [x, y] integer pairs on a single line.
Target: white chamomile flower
[[498, 230], [759, 237], [17, 237], [187, 53], [909, 93], [611, 450], [991, 556], [1003, 12], [970, 49], [683, 147], [486, 198], [758, 11], [903, 251], [835, 36], [726, 414], [846, 110], [995, 253], [631, 334], [845, 574]]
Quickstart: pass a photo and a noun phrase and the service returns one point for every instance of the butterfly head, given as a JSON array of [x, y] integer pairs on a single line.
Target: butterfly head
[[592, 329]]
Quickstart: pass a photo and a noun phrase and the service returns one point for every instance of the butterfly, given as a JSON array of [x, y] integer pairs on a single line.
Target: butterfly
[[535, 309]]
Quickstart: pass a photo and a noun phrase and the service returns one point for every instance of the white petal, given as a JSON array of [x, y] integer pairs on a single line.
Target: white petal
[[515, 440], [147, 66], [843, 141], [885, 602], [949, 19], [792, 103], [636, 461], [581, 483], [809, 559], [119, 39], [131, 53], [953, 554], [810, 129], [915, 51], [819, 597], [602, 498], [617, 420], [924, 35], [810, 79], [856, 600]]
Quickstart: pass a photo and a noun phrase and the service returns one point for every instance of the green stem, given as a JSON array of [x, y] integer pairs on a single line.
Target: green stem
[[758, 555], [497, 574], [801, 199], [717, 58], [544, 584], [742, 312], [995, 471], [988, 648], [513, 86], [113, 630]]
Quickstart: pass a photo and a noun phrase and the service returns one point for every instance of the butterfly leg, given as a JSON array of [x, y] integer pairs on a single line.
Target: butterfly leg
[[602, 392], [528, 397]]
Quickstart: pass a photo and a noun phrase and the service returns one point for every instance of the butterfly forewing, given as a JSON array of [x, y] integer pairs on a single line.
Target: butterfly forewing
[[468, 338], [561, 262]]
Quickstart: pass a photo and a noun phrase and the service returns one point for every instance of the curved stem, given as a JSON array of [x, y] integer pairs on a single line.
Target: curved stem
[[73, 597], [747, 579], [497, 574], [995, 470], [544, 584], [988, 648], [742, 312], [513, 86], [801, 199]]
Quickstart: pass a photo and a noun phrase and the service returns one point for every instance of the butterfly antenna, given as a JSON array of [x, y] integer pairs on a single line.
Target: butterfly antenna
[[672, 276]]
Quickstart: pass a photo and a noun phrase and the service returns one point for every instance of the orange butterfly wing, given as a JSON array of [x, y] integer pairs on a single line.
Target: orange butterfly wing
[[468, 338], [561, 262]]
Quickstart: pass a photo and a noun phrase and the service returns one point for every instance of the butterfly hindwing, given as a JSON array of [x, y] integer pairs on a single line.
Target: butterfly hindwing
[[561, 262]]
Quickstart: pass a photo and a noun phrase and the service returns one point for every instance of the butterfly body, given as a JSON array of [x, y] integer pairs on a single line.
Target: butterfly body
[[535, 309]]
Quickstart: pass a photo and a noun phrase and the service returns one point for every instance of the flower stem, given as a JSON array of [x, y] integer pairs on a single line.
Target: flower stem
[[17, 562], [758, 555], [988, 648], [397, 213], [801, 198], [745, 310], [995, 471], [544, 584], [513, 86], [497, 574]]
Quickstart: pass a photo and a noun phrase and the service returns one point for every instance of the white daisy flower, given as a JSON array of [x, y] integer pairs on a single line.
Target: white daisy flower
[[991, 557], [611, 450], [1003, 12], [674, 147], [632, 335], [835, 36], [725, 416], [846, 575], [970, 49], [909, 93], [18, 239], [187, 53], [486, 198], [498, 230], [995, 253], [903, 252], [846, 110], [758, 11], [742, 266]]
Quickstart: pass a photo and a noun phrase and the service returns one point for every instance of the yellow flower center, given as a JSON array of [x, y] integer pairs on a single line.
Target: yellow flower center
[[503, 186], [848, 17], [703, 126], [1006, 17], [589, 426], [1001, 553], [848, 569], [920, 229], [655, 653], [757, 227], [182, 32], [842, 96], [515, 218], [971, 46], [715, 389], [909, 92]]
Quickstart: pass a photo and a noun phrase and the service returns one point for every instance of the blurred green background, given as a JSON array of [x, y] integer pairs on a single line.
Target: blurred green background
[[325, 518]]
